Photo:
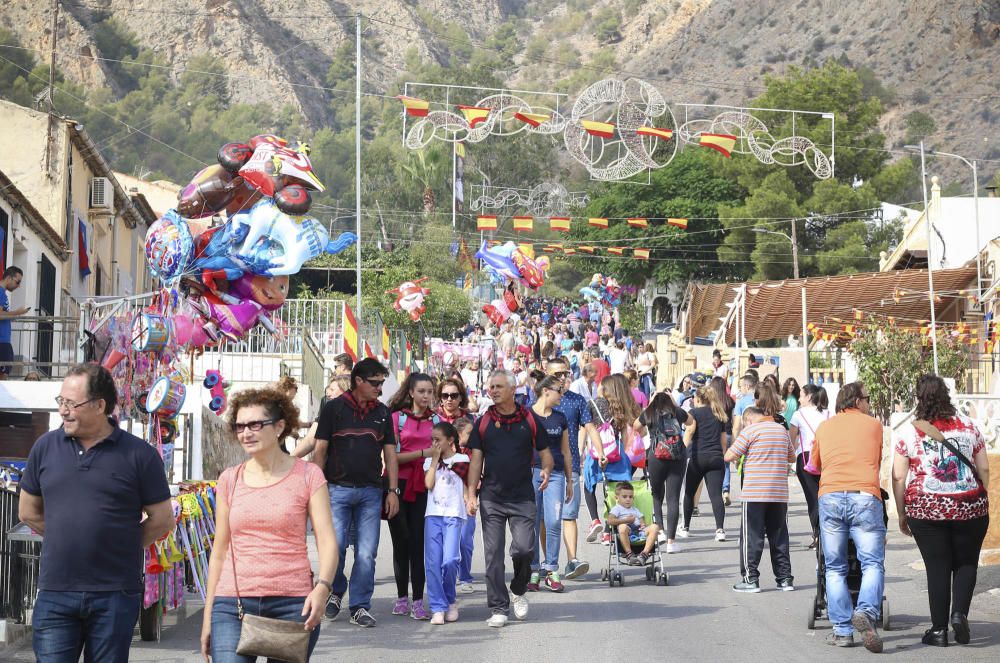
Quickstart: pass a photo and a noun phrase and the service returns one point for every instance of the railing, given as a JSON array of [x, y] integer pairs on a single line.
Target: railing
[[46, 345], [826, 366], [18, 561], [313, 370]]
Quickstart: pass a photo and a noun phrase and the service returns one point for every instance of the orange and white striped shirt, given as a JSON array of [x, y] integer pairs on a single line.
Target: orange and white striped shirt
[[767, 451]]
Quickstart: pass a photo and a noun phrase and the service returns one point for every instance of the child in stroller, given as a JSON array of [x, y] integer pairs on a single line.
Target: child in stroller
[[628, 509]]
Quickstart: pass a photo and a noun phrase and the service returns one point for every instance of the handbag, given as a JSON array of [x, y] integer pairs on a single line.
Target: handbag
[[931, 431], [668, 444], [281, 639], [609, 439]]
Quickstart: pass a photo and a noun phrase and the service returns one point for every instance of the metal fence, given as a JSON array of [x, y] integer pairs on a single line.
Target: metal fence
[[977, 378], [18, 562], [46, 345]]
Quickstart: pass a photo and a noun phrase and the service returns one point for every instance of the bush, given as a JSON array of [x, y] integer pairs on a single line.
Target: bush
[[607, 26]]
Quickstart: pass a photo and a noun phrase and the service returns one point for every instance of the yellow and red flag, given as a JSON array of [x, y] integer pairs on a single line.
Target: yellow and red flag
[[523, 224], [638, 223], [385, 344], [534, 119], [599, 222], [599, 129], [586, 249], [641, 254], [551, 248], [721, 143], [368, 351], [486, 223], [414, 106], [662, 134], [569, 251], [560, 223], [678, 223], [350, 333], [616, 250], [474, 114]]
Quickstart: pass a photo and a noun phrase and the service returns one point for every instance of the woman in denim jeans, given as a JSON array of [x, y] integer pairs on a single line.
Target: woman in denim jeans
[[261, 510]]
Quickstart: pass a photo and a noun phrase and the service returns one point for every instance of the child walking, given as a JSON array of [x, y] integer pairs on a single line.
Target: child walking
[[444, 476], [464, 427]]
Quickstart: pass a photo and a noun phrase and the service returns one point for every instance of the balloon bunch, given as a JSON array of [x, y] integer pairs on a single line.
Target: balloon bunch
[[503, 309], [604, 290], [410, 298], [233, 273], [512, 263]]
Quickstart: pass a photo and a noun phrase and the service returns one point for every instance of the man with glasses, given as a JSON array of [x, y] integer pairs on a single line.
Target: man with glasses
[[10, 282], [848, 453], [86, 487], [504, 439], [354, 437]]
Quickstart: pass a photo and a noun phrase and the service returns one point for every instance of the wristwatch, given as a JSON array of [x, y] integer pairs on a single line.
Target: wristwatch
[[395, 490]]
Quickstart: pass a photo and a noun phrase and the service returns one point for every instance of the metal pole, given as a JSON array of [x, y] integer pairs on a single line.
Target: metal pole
[[454, 182], [979, 247], [357, 158], [795, 252], [930, 261], [805, 332]]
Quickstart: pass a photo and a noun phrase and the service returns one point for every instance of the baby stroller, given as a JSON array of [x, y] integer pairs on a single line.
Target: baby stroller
[[654, 565], [819, 607]]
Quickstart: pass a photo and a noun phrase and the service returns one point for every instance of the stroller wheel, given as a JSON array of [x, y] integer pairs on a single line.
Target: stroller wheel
[[886, 622], [664, 579], [650, 573], [620, 579], [811, 621]]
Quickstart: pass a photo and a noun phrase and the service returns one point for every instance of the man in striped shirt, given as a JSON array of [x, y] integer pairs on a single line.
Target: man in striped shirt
[[767, 450]]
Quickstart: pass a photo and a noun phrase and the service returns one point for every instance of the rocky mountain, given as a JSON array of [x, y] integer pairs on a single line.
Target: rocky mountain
[[938, 58]]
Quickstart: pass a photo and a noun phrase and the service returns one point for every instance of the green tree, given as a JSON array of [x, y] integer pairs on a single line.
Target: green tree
[[919, 126]]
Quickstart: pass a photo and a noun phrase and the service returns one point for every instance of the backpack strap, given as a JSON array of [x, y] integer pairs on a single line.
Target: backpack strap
[[484, 423]]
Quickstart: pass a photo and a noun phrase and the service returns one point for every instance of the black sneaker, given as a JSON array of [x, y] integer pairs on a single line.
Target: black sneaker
[[785, 585], [745, 587], [362, 617], [864, 625], [840, 640], [333, 607]]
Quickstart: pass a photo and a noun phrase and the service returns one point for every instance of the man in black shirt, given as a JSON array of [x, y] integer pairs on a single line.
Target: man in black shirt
[[354, 438], [505, 438]]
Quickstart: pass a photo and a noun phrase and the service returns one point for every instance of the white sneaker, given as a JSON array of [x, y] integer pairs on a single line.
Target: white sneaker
[[673, 548], [661, 537], [520, 605], [683, 533], [497, 620], [720, 535], [466, 588]]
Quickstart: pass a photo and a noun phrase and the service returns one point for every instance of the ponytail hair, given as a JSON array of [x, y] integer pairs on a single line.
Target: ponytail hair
[[817, 396], [709, 397]]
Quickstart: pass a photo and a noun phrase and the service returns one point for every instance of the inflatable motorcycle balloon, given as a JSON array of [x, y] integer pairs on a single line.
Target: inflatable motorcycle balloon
[[532, 271], [208, 192], [410, 298]]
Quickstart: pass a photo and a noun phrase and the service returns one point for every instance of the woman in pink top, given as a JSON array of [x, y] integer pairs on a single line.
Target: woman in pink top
[[261, 512], [413, 419]]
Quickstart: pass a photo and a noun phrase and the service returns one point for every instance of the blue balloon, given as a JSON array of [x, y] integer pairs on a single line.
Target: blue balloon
[[499, 259]]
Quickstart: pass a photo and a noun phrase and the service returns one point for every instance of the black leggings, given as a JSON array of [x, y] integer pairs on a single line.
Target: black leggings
[[810, 488], [712, 471], [590, 497], [407, 531], [950, 549], [665, 479]]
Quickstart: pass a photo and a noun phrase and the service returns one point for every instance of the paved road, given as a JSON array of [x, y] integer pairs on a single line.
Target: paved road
[[697, 618]]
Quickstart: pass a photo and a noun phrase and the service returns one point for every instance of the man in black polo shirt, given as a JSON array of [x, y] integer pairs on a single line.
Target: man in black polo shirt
[[507, 495], [85, 487], [354, 437]]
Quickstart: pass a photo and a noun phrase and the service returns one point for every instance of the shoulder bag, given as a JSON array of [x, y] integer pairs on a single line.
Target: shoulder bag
[[609, 439], [280, 639], [931, 431]]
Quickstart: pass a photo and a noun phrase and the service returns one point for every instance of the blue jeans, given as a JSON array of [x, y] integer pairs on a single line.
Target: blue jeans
[[98, 623], [467, 546], [442, 556], [571, 510], [359, 509], [226, 625], [646, 384], [548, 506], [860, 517], [725, 479]]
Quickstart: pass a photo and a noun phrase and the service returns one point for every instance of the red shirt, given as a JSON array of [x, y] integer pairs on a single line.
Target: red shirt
[[602, 368]]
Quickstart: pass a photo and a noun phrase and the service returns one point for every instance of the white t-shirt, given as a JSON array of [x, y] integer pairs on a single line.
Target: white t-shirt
[[617, 360], [447, 497], [807, 420], [471, 379]]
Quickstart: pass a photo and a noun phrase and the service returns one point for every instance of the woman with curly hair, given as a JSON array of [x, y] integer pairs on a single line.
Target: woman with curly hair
[[939, 479], [260, 560], [790, 393]]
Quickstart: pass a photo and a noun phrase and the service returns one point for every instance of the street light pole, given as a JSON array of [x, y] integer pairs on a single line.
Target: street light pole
[[930, 261], [795, 252]]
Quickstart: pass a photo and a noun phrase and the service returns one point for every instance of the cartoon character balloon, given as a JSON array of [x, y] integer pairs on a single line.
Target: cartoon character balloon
[[532, 270], [410, 298], [503, 309]]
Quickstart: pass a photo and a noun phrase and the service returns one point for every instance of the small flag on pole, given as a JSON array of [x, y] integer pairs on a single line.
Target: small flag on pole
[[385, 343], [523, 224], [598, 222], [638, 223], [350, 333], [474, 114], [678, 223], [560, 223], [368, 351], [599, 129], [534, 119], [415, 107], [721, 143], [663, 134], [641, 254], [486, 223]]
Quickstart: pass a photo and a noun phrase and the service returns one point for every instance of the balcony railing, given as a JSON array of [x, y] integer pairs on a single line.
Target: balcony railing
[[45, 345]]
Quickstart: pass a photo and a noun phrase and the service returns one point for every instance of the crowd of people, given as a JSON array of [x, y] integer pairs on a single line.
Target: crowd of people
[[571, 405]]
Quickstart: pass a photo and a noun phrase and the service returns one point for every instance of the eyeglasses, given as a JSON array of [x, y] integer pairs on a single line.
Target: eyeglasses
[[252, 425], [560, 374], [450, 395], [375, 383], [70, 405], [865, 398]]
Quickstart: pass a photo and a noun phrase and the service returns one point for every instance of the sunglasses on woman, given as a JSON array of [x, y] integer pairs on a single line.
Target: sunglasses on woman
[[450, 395]]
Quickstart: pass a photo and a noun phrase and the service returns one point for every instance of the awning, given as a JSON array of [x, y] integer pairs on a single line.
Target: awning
[[774, 308]]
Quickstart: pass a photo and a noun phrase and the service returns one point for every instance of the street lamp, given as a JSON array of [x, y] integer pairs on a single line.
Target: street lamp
[[930, 261], [795, 245]]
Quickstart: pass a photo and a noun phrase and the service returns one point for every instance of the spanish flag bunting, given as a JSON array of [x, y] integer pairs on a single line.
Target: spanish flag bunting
[[533, 119], [549, 248], [988, 346], [616, 250], [638, 223], [486, 223], [350, 333], [811, 326], [663, 134], [598, 222], [678, 223], [385, 343], [586, 249], [523, 224], [859, 314], [569, 251], [721, 143], [415, 107], [848, 328], [599, 129], [560, 223], [474, 114], [641, 254]]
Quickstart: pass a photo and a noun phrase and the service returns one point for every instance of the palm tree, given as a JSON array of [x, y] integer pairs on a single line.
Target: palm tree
[[424, 167]]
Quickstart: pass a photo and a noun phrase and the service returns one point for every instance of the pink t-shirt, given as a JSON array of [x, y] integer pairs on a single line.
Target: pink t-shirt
[[268, 527]]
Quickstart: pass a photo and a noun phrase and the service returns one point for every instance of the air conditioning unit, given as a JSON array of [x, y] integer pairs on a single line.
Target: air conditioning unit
[[102, 194]]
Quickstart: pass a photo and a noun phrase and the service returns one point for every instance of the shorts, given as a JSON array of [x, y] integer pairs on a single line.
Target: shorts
[[571, 510], [6, 355]]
